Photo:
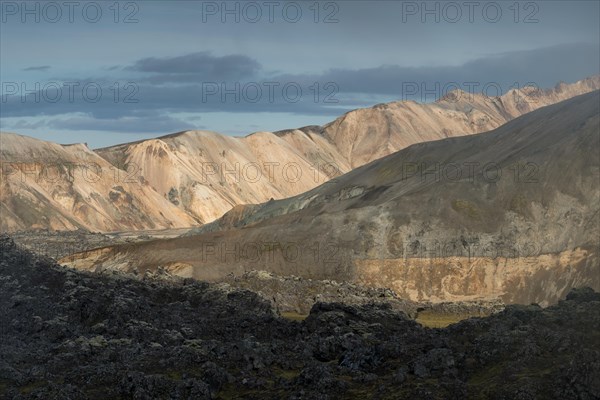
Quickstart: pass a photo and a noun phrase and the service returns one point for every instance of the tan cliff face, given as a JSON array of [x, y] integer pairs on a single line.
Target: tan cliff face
[[194, 177], [512, 213], [206, 174], [47, 185]]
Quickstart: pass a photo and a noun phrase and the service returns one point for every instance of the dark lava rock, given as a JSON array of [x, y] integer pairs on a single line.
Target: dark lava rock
[[73, 335]]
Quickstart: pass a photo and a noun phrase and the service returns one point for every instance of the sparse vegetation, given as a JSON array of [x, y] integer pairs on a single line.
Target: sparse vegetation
[[466, 208], [433, 319], [293, 316]]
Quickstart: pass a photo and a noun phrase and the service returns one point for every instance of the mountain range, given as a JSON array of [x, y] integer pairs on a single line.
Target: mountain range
[[194, 177], [512, 214]]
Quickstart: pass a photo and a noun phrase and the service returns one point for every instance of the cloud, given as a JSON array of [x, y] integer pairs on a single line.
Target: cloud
[[132, 124], [176, 86], [150, 99], [543, 67], [201, 65], [37, 68], [22, 124]]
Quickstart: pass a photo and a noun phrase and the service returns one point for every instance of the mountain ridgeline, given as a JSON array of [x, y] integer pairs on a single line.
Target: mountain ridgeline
[[510, 214], [194, 177]]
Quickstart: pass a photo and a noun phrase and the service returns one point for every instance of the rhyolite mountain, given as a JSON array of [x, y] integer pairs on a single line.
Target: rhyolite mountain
[[512, 214], [47, 185], [194, 177]]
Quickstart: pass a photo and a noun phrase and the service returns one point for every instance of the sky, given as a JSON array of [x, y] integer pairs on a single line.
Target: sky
[[108, 72]]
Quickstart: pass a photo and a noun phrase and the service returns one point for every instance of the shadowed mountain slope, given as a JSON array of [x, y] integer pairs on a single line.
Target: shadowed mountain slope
[[511, 213]]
